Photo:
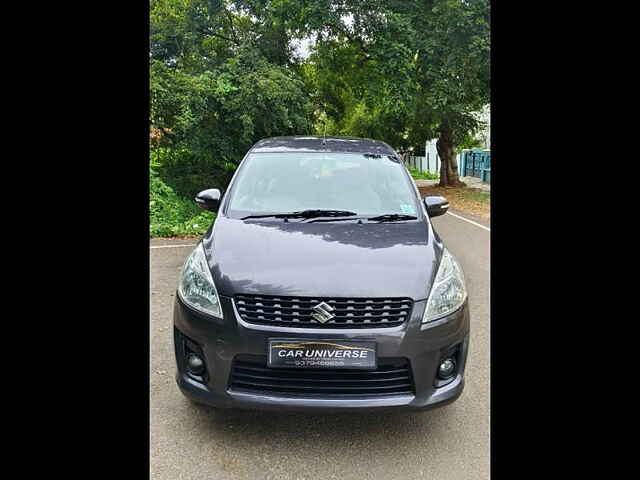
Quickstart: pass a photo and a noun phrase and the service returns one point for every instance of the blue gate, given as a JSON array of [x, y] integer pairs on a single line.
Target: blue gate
[[476, 163]]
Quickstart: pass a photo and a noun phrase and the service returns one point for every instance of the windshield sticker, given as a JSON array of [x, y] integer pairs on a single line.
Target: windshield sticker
[[407, 209]]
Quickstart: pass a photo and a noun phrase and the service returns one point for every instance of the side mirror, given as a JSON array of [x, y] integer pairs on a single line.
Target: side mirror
[[436, 205], [209, 199]]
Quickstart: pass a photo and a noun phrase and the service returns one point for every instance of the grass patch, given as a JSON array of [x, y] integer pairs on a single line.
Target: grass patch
[[418, 175], [476, 196]]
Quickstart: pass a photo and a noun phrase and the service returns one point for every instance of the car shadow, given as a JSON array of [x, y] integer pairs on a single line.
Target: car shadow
[[339, 430]]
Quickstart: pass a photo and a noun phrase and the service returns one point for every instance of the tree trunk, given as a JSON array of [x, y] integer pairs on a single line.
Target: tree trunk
[[448, 164]]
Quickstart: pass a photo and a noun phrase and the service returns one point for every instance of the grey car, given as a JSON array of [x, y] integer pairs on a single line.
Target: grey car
[[321, 286]]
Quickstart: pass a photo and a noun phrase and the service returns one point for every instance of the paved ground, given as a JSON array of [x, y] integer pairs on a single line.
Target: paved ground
[[472, 182], [450, 443]]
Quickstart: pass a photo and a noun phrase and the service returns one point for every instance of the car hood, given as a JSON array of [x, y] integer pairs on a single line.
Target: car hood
[[327, 259]]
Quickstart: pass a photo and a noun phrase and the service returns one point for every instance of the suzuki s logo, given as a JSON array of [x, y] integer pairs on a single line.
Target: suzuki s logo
[[322, 312]]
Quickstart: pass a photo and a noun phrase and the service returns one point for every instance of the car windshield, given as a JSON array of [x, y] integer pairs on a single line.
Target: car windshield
[[290, 182]]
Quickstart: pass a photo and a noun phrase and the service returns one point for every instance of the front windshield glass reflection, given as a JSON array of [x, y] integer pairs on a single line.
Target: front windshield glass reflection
[[289, 182]]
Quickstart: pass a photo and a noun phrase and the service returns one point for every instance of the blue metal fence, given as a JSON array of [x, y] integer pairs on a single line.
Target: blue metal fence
[[476, 163]]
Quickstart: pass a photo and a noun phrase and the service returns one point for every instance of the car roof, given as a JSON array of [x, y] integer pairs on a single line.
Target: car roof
[[322, 144]]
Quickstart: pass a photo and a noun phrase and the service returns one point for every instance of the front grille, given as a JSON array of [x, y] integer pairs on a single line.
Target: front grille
[[349, 312], [392, 377]]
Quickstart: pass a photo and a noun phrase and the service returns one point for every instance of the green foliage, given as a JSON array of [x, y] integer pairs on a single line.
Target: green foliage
[[418, 175], [455, 64], [402, 71], [469, 141], [219, 82], [223, 75], [172, 214], [217, 115], [220, 79]]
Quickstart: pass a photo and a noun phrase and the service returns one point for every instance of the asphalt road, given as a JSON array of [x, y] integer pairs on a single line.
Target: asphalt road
[[192, 442]]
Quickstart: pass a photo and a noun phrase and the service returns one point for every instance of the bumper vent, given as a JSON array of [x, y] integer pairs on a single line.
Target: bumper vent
[[392, 377], [298, 311]]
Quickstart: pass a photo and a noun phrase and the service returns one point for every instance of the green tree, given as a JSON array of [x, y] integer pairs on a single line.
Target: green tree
[[224, 74], [220, 79], [404, 71], [454, 73]]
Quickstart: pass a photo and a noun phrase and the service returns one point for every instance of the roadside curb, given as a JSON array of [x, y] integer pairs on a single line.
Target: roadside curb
[[173, 242]]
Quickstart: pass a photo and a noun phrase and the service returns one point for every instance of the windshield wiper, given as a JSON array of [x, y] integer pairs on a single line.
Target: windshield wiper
[[349, 218], [306, 214], [392, 217]]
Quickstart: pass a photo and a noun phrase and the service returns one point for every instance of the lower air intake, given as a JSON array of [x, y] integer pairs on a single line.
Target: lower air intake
[[392, 377]]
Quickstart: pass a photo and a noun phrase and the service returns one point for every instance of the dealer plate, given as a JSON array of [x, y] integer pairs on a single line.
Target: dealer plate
[[333, 354]]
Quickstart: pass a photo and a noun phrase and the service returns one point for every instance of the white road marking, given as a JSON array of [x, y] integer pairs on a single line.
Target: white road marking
[[470, 221], [173, 246]]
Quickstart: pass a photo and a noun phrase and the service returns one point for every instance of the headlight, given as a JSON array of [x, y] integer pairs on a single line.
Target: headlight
[[196, 285], [448, 292]]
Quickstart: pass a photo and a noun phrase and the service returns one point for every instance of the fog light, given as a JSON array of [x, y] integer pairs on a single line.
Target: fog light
[[195, 364], [447, 368]]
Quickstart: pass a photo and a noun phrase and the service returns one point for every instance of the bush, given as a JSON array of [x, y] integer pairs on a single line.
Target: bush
[[171, 214]]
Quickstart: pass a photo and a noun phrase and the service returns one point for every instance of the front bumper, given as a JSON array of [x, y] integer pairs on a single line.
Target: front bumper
[[222, 340]]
